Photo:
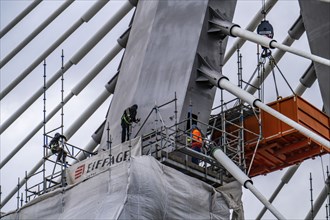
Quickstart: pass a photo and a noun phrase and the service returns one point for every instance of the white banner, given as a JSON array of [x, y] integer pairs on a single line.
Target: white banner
[[103, 161]]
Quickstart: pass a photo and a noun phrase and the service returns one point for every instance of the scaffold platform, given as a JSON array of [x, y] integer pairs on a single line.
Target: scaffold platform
[[281, 145]]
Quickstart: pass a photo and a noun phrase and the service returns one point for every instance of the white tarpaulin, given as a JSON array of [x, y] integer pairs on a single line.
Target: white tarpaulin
[[103, 160], [140, 188]]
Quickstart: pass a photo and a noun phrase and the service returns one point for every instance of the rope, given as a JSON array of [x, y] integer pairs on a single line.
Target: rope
[[262, 79], [273, 60], [273, 64], [275, 83], [257, 145]]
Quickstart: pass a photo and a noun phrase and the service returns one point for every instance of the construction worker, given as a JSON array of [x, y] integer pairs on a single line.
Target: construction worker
[[197, 142], [129, 116], [55, 147]]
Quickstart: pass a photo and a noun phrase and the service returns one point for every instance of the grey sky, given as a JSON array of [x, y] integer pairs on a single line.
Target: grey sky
[[293, 201]]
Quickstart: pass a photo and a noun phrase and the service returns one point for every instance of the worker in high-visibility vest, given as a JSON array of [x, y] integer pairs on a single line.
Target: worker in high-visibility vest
[[128, 117], [197, 142], [56, 146]]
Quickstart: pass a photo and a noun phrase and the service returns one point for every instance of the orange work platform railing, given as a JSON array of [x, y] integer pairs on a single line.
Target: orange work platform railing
[[281, 145]]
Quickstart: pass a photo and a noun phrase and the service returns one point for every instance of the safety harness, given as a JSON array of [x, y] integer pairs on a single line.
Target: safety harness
[[127, 117]]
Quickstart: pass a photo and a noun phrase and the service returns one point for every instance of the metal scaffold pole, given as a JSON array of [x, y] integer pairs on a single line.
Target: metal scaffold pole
[[44, 132], [234, 30], [285, 179], [70, 131], [75, 91], [295, 33], [250, 27], [41, 27], [241, 177], [110, 87], [306, 80], [85, 18], [63, 165], [74, 60], [217, 79]]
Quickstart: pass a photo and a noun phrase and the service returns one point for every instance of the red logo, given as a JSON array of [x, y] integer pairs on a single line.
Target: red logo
[[79, 171]]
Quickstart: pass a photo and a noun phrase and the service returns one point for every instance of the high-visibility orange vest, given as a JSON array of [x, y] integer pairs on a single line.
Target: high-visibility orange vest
[[197, 139]]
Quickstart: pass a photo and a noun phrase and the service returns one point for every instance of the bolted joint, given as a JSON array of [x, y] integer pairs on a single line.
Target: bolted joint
[[297, 29], [122, 40], [98, 133], [309, 76], [111, 85], [219, 23], [133, 2], [213, 76]]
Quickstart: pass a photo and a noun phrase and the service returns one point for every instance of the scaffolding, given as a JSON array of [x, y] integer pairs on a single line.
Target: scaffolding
[[171, 146], [57, 177]]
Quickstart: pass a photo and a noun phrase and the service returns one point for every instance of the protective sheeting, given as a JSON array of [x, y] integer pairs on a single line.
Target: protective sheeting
[[160, 61], [103, 160], [232, 192], [141, 188]]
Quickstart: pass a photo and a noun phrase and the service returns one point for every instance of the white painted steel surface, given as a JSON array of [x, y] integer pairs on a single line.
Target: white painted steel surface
[[253, 101], [19, 17], [85, 18], [270, 43], [250, 27], [74, 60], [39, 29], [241, 177]]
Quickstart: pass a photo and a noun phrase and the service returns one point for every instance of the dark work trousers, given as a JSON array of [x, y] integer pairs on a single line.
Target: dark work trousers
[[125, 131], [193, 159], [61, 155]]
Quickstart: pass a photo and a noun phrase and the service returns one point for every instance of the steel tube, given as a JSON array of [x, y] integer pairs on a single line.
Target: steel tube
[[87, 113], [222, 82], [319, 201], [75, 91], [19, 17], [68, 135], [32, 99], [241, 177], [285, 179], [301, 53], [74, 60], [90, 76], [277, 57], [295, 32], [270, 43], [250, 27], [33, 132], [85, 18], [293, 124], [300, 89], [247, 97], [42, 26], [102, 32], [21, 183], [89, 147]]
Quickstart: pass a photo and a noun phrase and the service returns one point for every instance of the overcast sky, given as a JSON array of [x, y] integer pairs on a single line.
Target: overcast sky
[[293, 202]]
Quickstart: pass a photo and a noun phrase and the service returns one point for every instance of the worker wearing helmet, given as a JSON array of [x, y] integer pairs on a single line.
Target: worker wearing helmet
[[197, 142], [128, 117], [55, 147]]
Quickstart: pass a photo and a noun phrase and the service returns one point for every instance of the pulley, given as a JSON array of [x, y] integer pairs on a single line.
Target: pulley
[[265, 29]]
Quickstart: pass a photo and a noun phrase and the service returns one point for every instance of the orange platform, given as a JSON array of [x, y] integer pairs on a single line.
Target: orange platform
[[283, 146]]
